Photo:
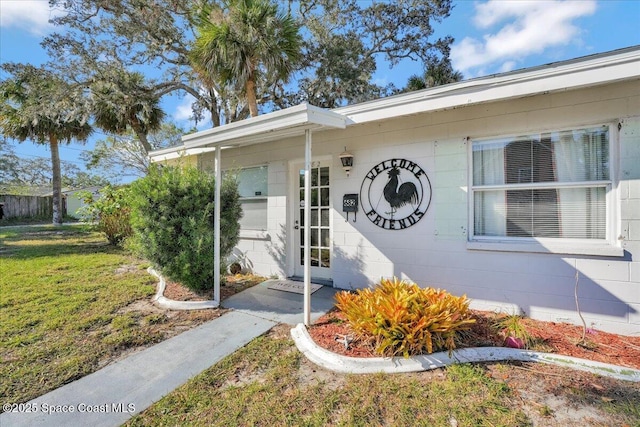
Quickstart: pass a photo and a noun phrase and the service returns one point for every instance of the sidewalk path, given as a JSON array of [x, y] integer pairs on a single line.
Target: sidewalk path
[[110, 396]]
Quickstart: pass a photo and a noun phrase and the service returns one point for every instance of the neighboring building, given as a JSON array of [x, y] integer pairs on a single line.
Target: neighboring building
[[75, 200], [501, 187]]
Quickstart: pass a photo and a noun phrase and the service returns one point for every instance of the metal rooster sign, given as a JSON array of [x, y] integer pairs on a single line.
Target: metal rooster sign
[[397, 199]]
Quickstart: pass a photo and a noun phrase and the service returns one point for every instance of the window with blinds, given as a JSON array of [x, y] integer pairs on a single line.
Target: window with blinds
[[551, 185]]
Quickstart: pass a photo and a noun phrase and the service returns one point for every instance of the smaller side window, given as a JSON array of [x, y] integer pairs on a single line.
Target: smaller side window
[[253, 189]]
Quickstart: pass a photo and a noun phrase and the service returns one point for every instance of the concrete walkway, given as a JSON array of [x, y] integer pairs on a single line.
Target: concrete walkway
[[110, 396]]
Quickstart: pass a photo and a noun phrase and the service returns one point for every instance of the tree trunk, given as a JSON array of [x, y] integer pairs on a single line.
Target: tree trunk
[[57, 180], [213, 109], [250, 88], [142, 136]]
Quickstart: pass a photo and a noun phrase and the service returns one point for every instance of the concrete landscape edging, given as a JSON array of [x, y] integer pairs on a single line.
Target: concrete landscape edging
[[165, 302], [369, 365]]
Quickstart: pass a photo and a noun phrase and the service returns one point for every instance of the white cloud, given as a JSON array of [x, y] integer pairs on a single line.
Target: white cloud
[[507, 66], [521, 28], [183, 111], [29, 15]]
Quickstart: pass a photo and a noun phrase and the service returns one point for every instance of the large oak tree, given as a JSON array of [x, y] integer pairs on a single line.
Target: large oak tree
[[345, 41]]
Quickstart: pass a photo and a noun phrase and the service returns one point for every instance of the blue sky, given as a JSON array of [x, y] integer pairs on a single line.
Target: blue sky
[[491, 36]]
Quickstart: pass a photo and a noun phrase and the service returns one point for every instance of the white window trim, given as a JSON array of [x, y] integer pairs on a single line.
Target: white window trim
[[256, 234], [608, 247]]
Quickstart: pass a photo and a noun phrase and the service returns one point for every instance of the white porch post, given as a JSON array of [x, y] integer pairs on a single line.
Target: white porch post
[[216, 228], [307, 228]]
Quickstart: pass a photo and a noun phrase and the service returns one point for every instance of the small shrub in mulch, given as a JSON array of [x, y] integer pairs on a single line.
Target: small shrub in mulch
[[550, 337], [400, 318]]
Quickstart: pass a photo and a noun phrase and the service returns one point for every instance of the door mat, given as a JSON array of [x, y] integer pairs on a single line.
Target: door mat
[[291, 286]]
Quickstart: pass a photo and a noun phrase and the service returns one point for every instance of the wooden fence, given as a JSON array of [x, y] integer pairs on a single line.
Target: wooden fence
[[28, 206]]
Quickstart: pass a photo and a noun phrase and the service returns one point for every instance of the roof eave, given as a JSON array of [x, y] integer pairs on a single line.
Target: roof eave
[[566, 75], [279, 124]]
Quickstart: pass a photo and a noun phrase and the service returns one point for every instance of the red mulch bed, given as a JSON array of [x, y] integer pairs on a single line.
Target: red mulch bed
[[551, 337], [232, 285]]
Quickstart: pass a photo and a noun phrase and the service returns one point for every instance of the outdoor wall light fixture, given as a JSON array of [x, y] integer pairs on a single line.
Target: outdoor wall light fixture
[[347, 161]]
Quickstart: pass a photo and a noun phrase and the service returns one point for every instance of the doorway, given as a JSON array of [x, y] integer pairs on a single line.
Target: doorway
[[320, 224]]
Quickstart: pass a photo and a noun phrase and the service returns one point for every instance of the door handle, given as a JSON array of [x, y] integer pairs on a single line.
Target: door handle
[[296, 226]]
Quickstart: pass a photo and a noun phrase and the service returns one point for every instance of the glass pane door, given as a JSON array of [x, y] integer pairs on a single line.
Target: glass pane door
[[320, 239]]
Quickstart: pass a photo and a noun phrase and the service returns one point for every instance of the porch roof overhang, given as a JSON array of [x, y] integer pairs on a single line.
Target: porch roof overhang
[[290, 122]]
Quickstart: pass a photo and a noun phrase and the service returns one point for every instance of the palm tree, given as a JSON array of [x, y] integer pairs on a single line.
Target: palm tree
[[437, 73], [243, 43], [121, 101], [40, 106]]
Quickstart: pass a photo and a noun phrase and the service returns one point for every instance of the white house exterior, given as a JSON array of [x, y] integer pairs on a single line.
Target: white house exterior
[[502, 188]]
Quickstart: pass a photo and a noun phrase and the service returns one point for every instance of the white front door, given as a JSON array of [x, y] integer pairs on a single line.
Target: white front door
[[320, 224]]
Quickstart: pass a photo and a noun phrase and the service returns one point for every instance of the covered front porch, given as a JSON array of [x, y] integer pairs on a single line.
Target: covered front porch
[[298, 122]]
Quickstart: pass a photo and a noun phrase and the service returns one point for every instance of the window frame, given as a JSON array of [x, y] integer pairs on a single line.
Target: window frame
[[255, 232], [609, 246]]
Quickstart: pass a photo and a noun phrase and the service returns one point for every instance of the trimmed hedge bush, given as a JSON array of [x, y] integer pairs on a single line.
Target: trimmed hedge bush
[[400, 318], [172, 216]]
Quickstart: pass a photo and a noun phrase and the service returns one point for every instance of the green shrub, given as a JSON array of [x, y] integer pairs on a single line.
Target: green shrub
[[111, 213], [512, 327], [400, 318], [172, 216]]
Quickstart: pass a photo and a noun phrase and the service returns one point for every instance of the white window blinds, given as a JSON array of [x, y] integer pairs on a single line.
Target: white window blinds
[[548, 185]]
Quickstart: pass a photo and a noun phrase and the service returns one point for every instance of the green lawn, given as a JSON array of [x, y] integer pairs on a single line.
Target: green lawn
[[62, 297], [269, 383], [61, 290]]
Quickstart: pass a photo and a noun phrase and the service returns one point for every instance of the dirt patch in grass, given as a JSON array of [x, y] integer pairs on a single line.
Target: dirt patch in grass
[[165, 323], [556, 396]]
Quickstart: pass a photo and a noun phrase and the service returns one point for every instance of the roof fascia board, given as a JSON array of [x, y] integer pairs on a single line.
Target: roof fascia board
[[176, 152], [279, 124], [555, 77]]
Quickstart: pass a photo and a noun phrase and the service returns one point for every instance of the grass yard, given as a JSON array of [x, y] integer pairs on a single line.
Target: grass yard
[[269, 383], [62, 291], [271, 389], [70, 303]]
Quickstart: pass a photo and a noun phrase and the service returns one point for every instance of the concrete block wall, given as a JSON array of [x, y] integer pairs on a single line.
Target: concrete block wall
[[630, 205], [434, 252], [265, 250]]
